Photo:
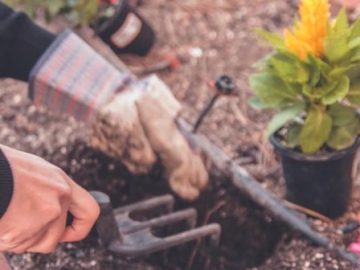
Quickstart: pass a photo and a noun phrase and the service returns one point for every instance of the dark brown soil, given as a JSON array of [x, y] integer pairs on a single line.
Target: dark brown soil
[[232, 210], [220, 32]]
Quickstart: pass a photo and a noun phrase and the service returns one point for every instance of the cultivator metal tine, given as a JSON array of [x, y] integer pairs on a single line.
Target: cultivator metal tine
[[144, 242], [167, 201], [121, 234], [189, 215]]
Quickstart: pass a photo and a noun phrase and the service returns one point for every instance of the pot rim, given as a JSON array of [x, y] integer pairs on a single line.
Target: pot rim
[[315, 157], [119, 6]]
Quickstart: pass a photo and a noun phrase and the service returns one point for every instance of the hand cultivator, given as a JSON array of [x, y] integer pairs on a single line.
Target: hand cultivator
[[121, 234]]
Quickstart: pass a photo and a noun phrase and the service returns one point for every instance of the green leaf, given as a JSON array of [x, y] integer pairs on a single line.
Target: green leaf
[[338, 92], [273, 39], [11, 3], [271, 90], [283, 117], [263, 62], [324, 67], [344, 136], [355, 30], [295, 88], [30, 9], [341, 23], [318, 92], [289, 68], [256, 103], [292, 136], [354, 43], [314, 70], [339, 71], [54, 7], [48, 17], [354, 74], [341, 115], [72, 3], [73, 18], [336, 47], [353, 95], [315, 131], [109, 12]]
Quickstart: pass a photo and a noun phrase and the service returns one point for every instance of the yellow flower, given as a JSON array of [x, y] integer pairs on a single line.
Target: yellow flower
[[308, 34]]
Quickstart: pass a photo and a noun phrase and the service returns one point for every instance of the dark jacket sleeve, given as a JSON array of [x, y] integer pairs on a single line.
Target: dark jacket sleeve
[[6, 184], [21, 43]]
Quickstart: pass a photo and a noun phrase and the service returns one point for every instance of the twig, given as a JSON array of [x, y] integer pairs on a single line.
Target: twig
[[307, 211], [169, 63], [198, 241], [238, 114]]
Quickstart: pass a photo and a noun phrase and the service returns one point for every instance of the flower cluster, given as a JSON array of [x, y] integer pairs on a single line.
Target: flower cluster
[[312, 78], [309, 33]]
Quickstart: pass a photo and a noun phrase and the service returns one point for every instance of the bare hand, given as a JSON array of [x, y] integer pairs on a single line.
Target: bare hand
[[35, 220]]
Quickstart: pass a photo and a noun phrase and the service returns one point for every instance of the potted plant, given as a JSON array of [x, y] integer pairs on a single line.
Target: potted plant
[[312, 77], [116, 22]]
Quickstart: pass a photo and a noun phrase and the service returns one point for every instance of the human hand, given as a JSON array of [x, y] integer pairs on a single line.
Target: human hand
[[138, 125], [35, 220]]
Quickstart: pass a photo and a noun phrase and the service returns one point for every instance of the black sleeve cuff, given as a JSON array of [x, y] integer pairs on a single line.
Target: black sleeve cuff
[[6, 184], [22, 43]]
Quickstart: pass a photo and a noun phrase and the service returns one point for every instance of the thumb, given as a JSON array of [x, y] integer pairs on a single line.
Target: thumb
[[85, 211]]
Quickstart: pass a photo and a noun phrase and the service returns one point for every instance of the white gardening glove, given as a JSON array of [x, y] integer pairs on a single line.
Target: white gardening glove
[[118, 132], [133, 121], [151, 110]]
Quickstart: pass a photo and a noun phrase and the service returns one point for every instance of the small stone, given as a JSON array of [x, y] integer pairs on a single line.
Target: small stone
[[196, 52], [319, 256]]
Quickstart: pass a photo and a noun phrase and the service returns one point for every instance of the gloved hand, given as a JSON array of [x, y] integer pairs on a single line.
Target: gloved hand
[[148, 129], [133, 121]]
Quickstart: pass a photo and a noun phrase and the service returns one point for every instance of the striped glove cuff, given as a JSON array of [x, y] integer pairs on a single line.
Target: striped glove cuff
[[72, 78]]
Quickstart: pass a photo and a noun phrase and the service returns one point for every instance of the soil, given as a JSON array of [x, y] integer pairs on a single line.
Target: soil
[[213, 37]]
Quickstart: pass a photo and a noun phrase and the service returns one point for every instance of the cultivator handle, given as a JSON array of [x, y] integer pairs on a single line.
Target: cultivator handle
[[106, 225]]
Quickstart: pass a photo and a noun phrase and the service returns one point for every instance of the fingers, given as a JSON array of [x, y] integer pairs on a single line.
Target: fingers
[[49, 240], [43, 241], [181, 180], [185, 169], [85, 211], [200, 177]]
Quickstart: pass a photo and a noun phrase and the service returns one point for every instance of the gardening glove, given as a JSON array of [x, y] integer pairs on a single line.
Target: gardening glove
[[156, 111], [72, 78]]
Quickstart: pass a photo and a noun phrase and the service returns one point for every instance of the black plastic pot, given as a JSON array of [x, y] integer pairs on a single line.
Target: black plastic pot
[[321, 182], [126, 31]]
